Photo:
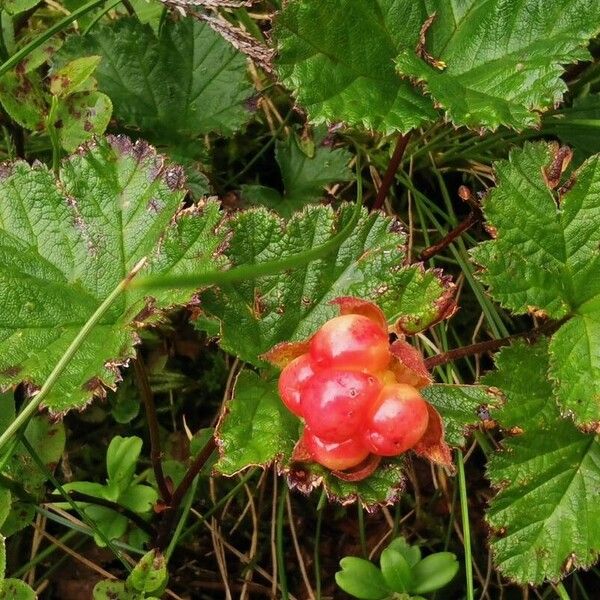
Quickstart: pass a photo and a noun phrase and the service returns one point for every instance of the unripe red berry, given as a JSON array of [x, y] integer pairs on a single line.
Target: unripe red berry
[[292, 381], [396, 421], [335, 455], [335, 402], [352, 342]]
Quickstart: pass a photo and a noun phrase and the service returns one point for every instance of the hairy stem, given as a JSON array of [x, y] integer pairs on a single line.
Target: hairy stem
[[434, 249], [151, 417], [390, 173], [253, 271]]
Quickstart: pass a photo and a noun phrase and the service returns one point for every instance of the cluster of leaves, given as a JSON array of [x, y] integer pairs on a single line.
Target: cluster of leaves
[[71, 236], [403, 572], [69, 108], [392, 65], [121, 462]]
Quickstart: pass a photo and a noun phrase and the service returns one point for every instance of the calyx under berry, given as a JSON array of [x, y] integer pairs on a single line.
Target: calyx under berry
[[357, 394]]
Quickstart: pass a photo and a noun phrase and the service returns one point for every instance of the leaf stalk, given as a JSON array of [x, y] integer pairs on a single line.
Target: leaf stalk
[[390, 172]]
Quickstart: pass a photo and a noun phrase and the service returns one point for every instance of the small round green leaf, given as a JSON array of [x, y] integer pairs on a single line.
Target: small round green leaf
[[110, 590], [121, 459], [396, 571], [412, 554], [15, 589], [434, 572], [361, 579]]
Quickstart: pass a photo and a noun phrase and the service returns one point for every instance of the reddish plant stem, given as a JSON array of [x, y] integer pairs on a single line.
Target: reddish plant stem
[[390, 173], [434, 249], [155, 451], [492, 345], [168, 519]]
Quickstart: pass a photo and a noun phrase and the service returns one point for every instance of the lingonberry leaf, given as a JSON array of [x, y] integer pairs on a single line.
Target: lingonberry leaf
[[66, 243], [545, 518], [462, 407], [545, 259], [185, 82], [256, 315], [499, 62], [337, 56], [304, 176]]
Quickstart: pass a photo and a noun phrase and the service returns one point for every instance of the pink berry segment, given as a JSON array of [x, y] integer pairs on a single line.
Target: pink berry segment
[[336, 456], [335, 403], [352, 342], [396, 421], [292, 381]]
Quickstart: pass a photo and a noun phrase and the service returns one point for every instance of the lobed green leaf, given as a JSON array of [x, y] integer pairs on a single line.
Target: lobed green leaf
[[545, 259], [66, 244], [500, 62], [545, 518], [460, 407], [304, 176], [337, 57], [257, 314], [184, 82]]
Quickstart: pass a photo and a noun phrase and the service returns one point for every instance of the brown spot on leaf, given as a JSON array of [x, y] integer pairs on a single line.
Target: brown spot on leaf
[[174, 177], [93, 385], [12, 371], [6, 170], [154, 205], [566, 187], [593, 427], [562, 158]]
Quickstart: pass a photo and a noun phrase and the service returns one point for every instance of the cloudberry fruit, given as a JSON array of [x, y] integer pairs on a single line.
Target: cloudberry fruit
[[292, 381], [334, 402], [336, 456], [396, 421], [352, 342]]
